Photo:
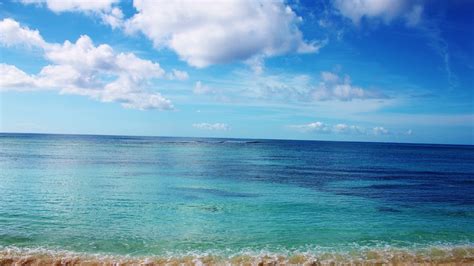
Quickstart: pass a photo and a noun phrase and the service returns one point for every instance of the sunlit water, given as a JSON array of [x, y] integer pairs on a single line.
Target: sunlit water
[[146, 196]]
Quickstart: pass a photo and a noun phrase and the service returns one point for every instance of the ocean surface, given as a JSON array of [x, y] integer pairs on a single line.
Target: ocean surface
[[164, 197]]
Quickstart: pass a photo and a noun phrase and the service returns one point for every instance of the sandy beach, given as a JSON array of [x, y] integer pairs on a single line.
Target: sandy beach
[[460, 256]]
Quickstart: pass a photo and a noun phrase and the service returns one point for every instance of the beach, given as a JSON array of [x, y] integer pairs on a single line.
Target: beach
[[433, 256]]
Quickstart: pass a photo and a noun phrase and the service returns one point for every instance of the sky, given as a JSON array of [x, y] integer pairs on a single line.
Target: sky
[[344, 70]]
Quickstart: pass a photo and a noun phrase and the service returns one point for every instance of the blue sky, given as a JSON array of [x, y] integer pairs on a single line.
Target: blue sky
[[363, 70]]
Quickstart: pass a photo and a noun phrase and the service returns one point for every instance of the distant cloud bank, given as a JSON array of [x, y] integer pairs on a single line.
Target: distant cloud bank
[[320, 127], [209, 126]]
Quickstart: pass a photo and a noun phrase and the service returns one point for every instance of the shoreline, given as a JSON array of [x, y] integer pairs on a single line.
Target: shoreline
[[457, 255]]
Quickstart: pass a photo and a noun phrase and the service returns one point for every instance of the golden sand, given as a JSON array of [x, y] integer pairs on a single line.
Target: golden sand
[[459, 256]]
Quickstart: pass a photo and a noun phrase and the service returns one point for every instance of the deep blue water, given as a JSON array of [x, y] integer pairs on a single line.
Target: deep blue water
[[152, 195]]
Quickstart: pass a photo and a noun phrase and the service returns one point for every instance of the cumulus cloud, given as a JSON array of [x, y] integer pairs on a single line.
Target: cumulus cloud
[[114, 17], [104, 9], [82, 68], [320, 127], [213, 32], [209, 126], [386, 10], [11, 33], [11, 76]]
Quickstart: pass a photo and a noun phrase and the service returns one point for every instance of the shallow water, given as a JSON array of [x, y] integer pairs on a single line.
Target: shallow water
[[145, 196]]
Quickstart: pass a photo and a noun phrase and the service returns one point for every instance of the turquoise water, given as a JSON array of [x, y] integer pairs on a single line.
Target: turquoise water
[[150, 196]]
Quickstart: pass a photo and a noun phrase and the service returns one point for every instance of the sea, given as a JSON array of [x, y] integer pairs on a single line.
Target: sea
[[167, 200]]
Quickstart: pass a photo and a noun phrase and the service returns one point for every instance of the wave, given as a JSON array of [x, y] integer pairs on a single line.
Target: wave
[[436, 255]]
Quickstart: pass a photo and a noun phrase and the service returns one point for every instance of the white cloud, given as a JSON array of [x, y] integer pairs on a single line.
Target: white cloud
[[386, 10], [380, 131], [348, 129], [333, 87], [200, 88], [82, 68], [208, 126], [301, 88], [104, 9], [313, 127], [320, 127], [114, 18], [11, 76], [288, 88], [327, 76], [213, 32], [74, 5], [11, 33], [205, 90], [178, 75]]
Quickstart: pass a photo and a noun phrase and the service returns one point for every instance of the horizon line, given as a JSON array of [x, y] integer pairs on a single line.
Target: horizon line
[[243, 138]]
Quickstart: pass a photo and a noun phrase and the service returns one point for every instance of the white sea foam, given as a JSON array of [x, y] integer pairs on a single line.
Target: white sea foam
[[447, 255]]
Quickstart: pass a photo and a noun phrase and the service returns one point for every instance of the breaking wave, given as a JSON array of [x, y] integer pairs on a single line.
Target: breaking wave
[[434, 255]]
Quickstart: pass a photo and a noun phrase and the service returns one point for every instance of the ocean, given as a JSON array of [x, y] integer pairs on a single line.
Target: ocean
[[163, 200]]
